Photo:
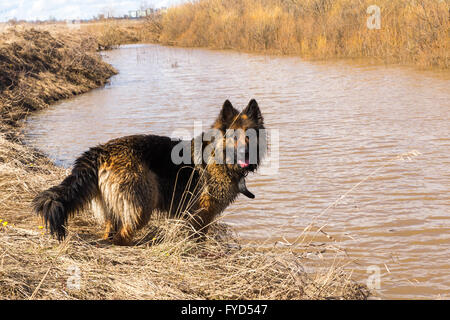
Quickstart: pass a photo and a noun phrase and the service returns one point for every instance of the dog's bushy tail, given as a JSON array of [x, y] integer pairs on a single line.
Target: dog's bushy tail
[[58, 203]]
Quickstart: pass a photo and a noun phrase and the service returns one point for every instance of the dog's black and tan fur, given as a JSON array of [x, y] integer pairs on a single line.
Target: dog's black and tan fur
[[126, 179]]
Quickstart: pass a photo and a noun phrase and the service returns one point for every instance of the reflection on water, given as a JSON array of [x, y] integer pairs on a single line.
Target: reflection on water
[[337, 122]]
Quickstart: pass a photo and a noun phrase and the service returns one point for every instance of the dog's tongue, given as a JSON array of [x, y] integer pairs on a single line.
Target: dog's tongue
[[243, 164]]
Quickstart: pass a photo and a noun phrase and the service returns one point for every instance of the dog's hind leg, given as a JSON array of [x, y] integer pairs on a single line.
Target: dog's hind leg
[[124, 237], [109, 230], [131, 195], [104, 216]]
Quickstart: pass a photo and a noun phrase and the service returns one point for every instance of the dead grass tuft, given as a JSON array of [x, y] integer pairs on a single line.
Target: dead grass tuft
[[35, 266]]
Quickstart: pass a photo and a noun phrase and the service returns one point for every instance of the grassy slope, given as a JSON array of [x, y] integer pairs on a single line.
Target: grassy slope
[[38, 68]]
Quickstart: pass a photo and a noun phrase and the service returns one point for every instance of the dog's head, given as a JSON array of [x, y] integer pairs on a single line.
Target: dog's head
[[243, 136]]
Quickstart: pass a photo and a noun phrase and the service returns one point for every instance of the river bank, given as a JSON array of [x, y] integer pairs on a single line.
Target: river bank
[[39, 68], [392, 32], [407, 33]]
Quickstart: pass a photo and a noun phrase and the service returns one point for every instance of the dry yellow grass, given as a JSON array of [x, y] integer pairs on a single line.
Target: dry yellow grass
[[412, 31], [112, 33]]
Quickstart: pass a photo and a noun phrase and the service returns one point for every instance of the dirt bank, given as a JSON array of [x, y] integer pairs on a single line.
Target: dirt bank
[[38, 68]]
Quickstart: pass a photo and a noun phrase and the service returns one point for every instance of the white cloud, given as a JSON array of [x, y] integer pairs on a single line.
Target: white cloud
[[72, 9]]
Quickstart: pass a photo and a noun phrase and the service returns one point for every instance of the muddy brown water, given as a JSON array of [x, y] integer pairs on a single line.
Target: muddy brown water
[[338, 123]]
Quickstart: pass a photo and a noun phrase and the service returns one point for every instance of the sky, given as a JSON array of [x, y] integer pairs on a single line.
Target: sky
[[72, 9]]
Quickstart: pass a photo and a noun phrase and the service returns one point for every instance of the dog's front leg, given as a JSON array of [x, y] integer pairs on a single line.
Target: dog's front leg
[[200, 223], [203, 217]]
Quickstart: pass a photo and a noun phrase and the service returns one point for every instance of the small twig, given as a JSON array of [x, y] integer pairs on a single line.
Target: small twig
[[61, 249]]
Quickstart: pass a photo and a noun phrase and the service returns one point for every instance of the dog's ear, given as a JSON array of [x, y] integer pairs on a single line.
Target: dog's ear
[[253, 112], [226, 116]]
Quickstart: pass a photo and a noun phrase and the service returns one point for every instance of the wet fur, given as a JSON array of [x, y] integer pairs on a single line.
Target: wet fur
[[128, 178]]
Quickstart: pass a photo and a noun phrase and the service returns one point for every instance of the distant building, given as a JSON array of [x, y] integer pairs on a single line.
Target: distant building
[[142, 13]]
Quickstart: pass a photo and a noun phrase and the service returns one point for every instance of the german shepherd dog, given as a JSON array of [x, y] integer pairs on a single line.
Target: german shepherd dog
[[126, 179]]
